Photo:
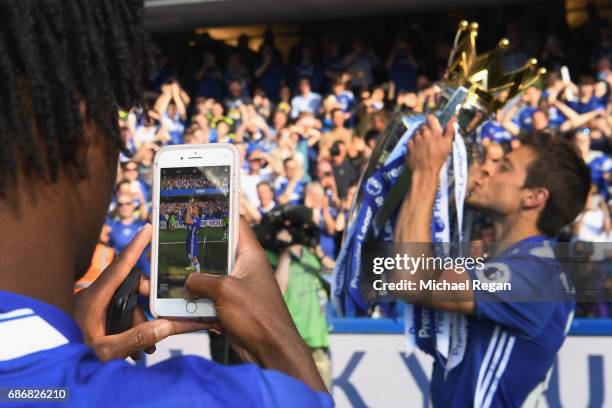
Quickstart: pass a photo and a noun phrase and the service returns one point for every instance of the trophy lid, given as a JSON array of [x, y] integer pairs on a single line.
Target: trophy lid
[[488, 84]]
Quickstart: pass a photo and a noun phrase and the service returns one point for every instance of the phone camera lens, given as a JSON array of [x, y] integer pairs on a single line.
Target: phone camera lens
[[181, 158]]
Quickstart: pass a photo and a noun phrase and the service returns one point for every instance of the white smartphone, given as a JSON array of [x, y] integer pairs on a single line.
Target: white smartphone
[[195, 223]]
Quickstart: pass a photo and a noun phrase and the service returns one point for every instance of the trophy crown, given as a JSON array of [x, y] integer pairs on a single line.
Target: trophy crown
[[489, 85]]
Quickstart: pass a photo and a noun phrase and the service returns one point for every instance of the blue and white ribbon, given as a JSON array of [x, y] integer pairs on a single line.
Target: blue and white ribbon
[[441, 334]]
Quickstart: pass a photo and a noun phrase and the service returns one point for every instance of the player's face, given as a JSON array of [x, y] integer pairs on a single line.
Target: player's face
[[498, 186]]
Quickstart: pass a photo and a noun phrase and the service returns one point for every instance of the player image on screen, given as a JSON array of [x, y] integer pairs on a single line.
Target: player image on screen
[[193, 220], [194, 238]]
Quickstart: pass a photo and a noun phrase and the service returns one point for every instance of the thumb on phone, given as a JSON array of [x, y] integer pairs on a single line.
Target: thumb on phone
[[136, 339], [141, 337], [205, 285]]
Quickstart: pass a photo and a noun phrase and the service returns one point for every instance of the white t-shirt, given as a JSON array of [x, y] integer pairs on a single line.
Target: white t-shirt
[[592, 228], [144, 134], [248, 183]]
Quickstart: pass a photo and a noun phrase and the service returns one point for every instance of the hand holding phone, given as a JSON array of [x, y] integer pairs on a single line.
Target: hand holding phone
[[92, 305]]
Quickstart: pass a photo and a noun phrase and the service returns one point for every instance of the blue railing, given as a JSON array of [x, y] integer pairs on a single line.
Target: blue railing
[[580, 327]]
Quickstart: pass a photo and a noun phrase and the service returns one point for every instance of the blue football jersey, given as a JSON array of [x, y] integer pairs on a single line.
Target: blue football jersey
[[122, 234], [297, 197], [524, 118], [495, 132], [511, 344], [42, 348], [194, 227], [584, 107], [600, 164]]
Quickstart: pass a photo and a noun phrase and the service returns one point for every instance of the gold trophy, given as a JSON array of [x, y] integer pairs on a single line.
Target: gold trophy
[[474, 87]]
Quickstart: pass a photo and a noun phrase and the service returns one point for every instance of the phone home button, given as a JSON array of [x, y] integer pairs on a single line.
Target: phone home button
[[191, 307]]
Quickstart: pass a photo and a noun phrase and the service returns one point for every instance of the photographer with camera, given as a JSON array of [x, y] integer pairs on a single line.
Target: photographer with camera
[[291, 241]]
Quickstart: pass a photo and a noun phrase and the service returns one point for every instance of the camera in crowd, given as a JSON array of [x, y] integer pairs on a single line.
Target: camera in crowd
[[285, 226]]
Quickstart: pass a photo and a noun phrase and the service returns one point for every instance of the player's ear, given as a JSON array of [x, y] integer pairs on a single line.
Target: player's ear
[[535, 197]]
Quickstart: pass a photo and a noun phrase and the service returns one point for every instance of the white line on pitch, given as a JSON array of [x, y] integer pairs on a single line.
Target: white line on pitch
[[183, 242]]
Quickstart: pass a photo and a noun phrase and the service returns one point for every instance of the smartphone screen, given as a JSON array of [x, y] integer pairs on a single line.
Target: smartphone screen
[[194, 225]]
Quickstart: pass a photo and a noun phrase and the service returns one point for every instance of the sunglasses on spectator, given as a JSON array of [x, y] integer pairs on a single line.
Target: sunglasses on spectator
[[130, 169], [123, 204], [257, 160], [325, 174]]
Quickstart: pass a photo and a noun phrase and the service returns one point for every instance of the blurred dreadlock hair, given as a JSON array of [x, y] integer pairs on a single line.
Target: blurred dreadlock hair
[[55, 54]]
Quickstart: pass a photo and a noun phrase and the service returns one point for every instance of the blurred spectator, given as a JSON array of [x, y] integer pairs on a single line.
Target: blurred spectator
[[325, 175], [306, 101], [345, 173], [290, 187], [265, 193], [237, 71], [258, 171], [209, 77], [324, 216], [594, 224], [269, 73], [172, 107], [402, 65], [360, 62], [307, 67], [600, 163], [120, 232], [344, 97], [136, 186]]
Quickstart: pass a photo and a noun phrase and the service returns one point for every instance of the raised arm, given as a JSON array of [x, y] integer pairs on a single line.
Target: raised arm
[[188, 219], [580, 120], [177, 97], [507, 121], [429, 148], [162, 102], [566, 110]]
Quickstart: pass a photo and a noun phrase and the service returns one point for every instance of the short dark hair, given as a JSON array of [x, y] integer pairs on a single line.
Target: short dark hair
[[288, 159], [334, 110], [559, 168], [54, 55], [265, 183], [120, 183]]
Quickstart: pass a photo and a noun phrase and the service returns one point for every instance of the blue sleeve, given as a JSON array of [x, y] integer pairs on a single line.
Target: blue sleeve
[[186, 381], [280, 189], [111, 224], [520, 308], [574, 105], [279, 390]]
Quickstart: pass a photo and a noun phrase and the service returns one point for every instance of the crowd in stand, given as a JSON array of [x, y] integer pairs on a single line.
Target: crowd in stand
[[305, 125], [175, 211], [182, 182]]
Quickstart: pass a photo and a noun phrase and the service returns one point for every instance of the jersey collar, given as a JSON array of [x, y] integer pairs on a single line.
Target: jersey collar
[[529, 241], [12, 302]]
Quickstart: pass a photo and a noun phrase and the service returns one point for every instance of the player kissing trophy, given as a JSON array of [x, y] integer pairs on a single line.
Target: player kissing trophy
[[474, 87]]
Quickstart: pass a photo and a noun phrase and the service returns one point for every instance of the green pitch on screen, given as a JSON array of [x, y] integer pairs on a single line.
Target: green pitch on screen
[[212, 254]]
